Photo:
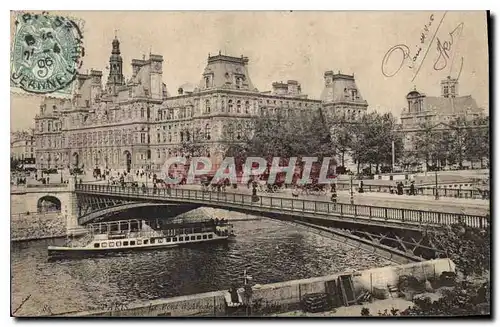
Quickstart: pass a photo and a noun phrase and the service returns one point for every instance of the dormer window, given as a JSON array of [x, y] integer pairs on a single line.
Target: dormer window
[[354, 95], [238, 82]]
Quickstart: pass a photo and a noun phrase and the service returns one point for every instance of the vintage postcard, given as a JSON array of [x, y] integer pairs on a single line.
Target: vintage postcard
[[254, 164]]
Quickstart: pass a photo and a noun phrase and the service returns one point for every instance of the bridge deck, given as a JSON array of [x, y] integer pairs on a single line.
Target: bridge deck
[[369, 215]]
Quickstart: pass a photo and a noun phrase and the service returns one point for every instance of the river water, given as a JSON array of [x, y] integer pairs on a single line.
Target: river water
[[271, 251]]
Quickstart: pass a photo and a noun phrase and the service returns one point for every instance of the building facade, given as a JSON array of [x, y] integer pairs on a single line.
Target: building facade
[[435, 111], [135, 123], [22, 145]]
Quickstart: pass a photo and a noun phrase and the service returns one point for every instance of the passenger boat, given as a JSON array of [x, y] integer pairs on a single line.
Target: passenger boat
[[126, 235]]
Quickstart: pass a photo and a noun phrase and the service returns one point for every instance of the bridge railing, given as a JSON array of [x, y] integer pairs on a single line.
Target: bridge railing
[[324, 208], [423, 190]]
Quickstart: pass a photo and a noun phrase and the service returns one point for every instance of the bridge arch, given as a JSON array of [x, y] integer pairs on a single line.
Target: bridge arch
[[48, 203], [126, 208]]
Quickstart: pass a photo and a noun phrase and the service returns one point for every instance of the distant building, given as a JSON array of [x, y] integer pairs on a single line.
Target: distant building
[[22, 145], [136, 124], [435, 111]]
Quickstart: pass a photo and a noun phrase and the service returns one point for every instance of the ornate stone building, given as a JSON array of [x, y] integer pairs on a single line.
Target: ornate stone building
[[135, 123], [435, 111], [22, 145]]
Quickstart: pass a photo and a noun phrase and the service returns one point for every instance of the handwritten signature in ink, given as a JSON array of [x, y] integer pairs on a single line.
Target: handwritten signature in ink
[[391, 64], [404, 51], [445, 48]]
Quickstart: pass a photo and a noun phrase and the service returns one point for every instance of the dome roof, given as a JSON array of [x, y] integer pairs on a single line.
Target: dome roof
[[413, 94]]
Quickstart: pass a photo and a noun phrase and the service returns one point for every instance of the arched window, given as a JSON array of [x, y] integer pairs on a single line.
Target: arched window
[[160, 114], [187, 136], [182, 136], [207, 132], [247, 107], [238, 106], [230, 106], [169, 137], [158, 155], [142, 112], [223, 106]]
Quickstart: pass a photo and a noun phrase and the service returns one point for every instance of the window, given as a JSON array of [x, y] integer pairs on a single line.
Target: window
[[205, 237], [354, 95], [238, 106], [207, 132], [125, 243], [142, 112], [111, 244], [104, 245], [152, 241], [174, 239], [198, 237], [192, 238], [230, 106], [210, 236], [146, 242], [181, 238], [160, 240], [207, 82], [207, 106], [168, 239], [222, 105], [247, 107], [118, 243], [139, 242], [96, 245], [238, 132], [132, 242]]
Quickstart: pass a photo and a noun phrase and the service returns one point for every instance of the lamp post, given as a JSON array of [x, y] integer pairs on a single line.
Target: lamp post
[[248, 291], [352, 192], [436, 196]]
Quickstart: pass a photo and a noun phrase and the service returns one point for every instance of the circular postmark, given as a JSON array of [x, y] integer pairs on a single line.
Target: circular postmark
[[46, 53]]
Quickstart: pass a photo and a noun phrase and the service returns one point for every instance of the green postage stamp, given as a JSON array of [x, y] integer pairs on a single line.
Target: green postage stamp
[[46, 53]]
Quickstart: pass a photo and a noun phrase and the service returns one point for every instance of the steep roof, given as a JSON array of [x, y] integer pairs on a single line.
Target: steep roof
[[338, 89], [451, 105], [224, 71]]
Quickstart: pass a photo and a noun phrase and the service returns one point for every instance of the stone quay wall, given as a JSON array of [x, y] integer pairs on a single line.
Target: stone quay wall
[[277, 295], [37, 226]]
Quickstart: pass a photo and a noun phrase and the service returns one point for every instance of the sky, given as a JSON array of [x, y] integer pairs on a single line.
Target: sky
[[294, 45]]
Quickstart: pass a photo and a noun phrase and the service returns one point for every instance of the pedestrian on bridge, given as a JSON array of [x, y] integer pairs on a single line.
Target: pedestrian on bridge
[[412, 188]]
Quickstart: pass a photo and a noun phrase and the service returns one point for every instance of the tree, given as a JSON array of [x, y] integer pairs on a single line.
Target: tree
[[477, 140], [372, 139], [191, 149], [295, 135], [468, 247], [14, 163], [424, 142]]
